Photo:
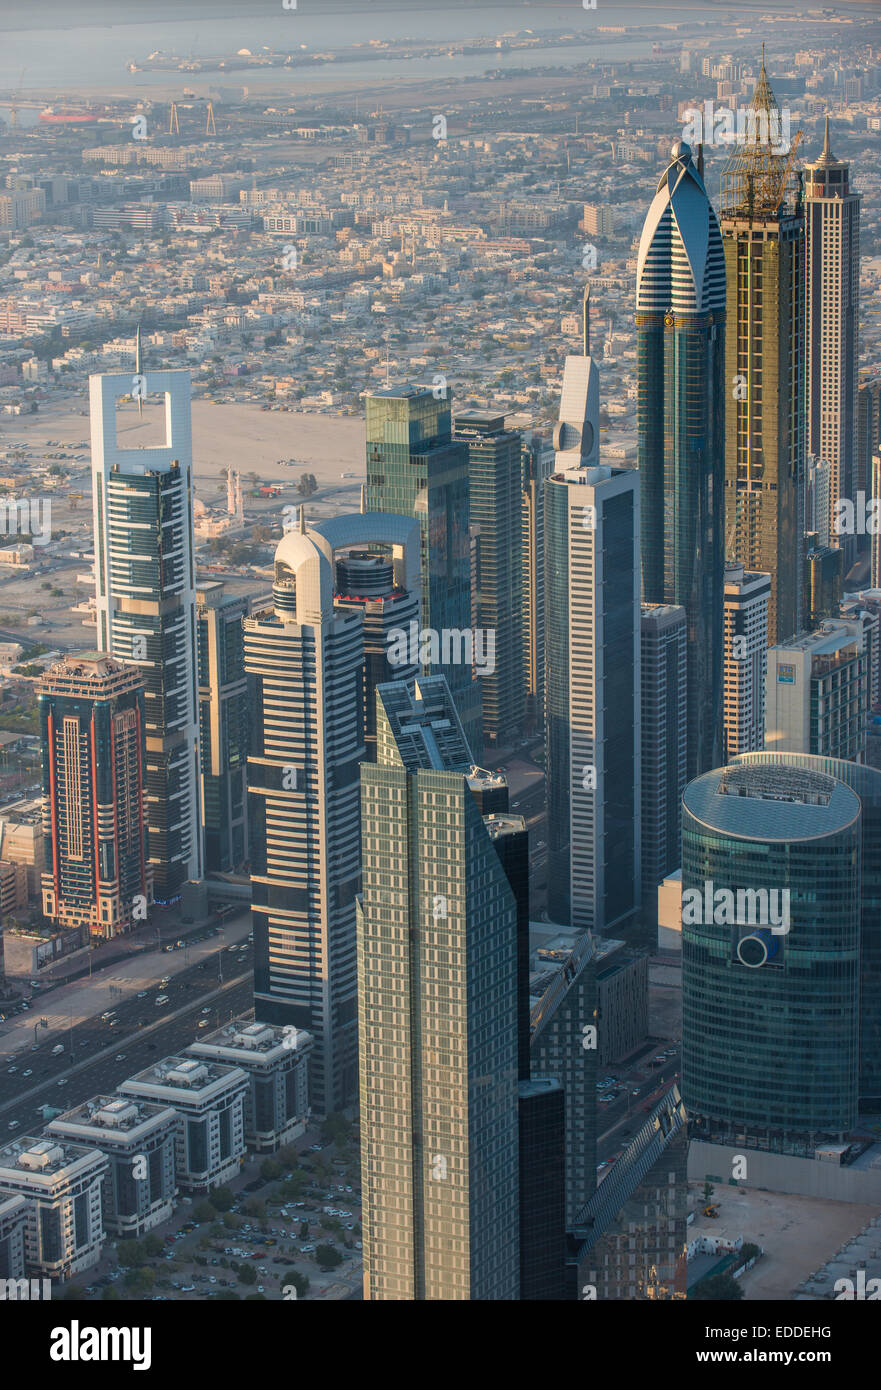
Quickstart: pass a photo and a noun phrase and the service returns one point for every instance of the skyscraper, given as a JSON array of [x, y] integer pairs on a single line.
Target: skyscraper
[[592, 617], [770, 955], [145, 596], [223, 726], [495, 476], [437, 1010], [538, 462], [680, 320], [92, 724], [664, 723], [866, 782], [416, 468], [304, 661], [832, 237], [375, 560], [763, 235], [816, 692], [746, 660]]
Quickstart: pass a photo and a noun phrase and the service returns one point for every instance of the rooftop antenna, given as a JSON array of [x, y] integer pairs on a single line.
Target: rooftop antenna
[[700, 158], [586, 321]]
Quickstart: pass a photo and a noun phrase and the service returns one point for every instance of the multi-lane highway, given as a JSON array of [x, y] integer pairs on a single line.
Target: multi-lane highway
[[101, 1052]]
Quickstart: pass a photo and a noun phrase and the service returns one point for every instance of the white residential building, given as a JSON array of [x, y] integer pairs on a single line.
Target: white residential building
[[62, 1184], [210, 1100]]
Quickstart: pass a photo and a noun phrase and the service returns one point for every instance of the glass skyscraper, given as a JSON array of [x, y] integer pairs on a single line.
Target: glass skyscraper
[[495, 471], [437, 1017], [416, 468], [770, 1030], [145, 598], [223, 726], [866, 782], [680, 322], [305, 666]]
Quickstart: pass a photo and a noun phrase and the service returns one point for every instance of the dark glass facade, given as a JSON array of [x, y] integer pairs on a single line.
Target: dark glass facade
[[681, 412], [770, 1049]]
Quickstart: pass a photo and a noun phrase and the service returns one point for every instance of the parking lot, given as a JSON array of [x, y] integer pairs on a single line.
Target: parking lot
[[269, 1243]]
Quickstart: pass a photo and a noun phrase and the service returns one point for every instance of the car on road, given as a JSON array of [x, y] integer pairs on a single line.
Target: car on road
[[63, 1081], [57, 1050], [13, 1124], [120, 1057], [28, 1072], [142, 994], [161, 999], [10, 1070], [203, 1023]]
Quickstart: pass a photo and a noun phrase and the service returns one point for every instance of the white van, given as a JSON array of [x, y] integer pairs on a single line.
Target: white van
[[57, 1050], [161, 999]]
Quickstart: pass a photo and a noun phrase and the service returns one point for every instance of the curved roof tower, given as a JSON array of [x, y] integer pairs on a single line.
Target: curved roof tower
[[681, 266]]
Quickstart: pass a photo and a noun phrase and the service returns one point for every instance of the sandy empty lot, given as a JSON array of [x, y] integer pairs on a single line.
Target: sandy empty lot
[[798, 1234], [238, 436]]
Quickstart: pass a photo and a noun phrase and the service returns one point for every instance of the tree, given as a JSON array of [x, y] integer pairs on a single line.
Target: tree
[[109, 1294], [131, 1252], [328, 1257], [226, 1295], [717, 1288], [153, 1244], [299, 1281], [222, 1199], [336, 1128], [73, 1293], [247, 1274], [307, 485], [270, 1169], [708, 1191], [139, 1281], [203, 1211], [304, 1230]]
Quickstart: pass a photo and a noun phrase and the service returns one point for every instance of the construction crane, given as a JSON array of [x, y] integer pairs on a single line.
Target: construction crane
[[174, 119]]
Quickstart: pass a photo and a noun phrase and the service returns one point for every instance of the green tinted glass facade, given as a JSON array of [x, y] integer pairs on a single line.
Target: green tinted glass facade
[[415, 468]]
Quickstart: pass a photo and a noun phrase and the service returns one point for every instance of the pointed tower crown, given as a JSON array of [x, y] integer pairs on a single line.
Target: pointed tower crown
[[758, 179]]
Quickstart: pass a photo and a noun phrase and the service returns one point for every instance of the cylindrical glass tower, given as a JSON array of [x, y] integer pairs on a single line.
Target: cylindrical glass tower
[[770, 956]]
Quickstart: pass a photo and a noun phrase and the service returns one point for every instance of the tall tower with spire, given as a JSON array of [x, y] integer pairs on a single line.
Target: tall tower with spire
[[832, 231], [763, 235], [680, 322]]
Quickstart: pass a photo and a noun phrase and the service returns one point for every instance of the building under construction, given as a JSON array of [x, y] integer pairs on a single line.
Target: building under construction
[[763, 235]]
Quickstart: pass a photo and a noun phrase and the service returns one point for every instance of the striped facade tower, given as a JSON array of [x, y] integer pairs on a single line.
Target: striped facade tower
[[680, 318]]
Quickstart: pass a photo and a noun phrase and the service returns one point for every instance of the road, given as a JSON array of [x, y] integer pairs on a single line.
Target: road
[[618, 1122], [99, 1054]]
